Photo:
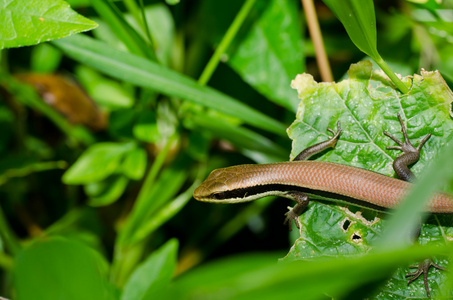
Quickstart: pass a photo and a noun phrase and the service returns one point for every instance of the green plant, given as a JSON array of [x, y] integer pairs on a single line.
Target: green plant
[[103, 227]]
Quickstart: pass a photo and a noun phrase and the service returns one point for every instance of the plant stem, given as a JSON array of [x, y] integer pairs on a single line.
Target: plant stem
[[226, 41], [399, 84], [127, 254], [316, 37], [32, 168], [7, 234]]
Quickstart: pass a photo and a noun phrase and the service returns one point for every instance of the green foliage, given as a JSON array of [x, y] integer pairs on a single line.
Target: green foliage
[[177, 91], [359, 20], [58, 268], [145, 73], [366, 107], [29, 22], [153, 275]]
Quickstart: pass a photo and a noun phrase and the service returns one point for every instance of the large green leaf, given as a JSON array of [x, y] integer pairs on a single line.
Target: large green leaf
[[146, 73], [271, 53], [366, 106], [57, 268], [258, 276], [29, 22]]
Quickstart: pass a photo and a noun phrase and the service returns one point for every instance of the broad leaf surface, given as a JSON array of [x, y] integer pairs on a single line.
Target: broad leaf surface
[[271, 53], [29, 22], [366, 106], [58, 268]]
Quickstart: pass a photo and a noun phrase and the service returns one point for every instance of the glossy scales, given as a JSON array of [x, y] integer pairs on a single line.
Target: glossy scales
[[360, 184]]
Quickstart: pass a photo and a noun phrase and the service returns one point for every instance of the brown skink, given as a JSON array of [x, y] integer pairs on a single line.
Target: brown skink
[[301, 179]]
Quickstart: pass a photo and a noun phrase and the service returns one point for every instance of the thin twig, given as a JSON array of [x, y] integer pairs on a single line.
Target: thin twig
[[316, 37]]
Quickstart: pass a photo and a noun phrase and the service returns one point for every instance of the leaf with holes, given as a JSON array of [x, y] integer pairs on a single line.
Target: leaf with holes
[[366, 106]]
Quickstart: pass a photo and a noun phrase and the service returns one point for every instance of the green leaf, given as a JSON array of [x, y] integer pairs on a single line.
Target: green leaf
[[359, 20], [161, 25], [241, 137], [134, 164], [96, 163], [147, 74], [56, 268], [366, 107], [45, 58], [105, 92], [258, 276], [146, 127], [150, 203], [153, 274], [107, 191], [271, 53], [130, 38], [29, 22]]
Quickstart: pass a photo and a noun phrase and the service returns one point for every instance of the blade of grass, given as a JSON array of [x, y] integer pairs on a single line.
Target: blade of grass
[[240, 136], [257, 276], [148, 74], [130, 38], [226, 41], [406, 219], [32, 168]]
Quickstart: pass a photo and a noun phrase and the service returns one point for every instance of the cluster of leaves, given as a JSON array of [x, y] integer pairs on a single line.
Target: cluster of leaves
[[154, 131]]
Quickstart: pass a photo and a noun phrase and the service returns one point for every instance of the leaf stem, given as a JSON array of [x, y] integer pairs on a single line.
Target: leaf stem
[[225, 42], [7, 234], [399, 84], [32, 168]]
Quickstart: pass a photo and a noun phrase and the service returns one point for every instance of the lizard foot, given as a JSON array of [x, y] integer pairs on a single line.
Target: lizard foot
[[291, 216], [423, 268]]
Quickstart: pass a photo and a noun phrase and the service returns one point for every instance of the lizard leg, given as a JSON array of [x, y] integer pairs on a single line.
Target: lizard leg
[[411, 155]]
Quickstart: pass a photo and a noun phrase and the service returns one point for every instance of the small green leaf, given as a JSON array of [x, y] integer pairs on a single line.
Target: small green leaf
[[107, 191], [359, 20], [96, 163], [105, 92], [146, 127], [29, 22], [134, 164], [57, 268], [153, 274], [45, 58]]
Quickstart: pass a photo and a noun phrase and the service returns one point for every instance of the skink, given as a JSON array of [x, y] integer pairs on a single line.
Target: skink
[[299, 179]]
